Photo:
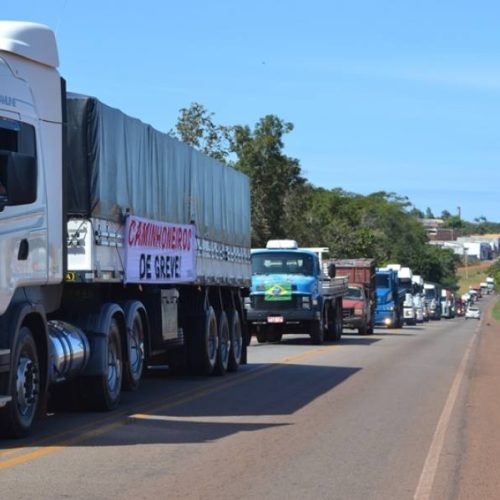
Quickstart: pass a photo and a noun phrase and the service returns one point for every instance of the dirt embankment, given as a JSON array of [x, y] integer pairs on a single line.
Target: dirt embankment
[[476, 267]]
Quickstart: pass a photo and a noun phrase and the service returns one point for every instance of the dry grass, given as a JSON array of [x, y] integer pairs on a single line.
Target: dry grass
[[472, 275]]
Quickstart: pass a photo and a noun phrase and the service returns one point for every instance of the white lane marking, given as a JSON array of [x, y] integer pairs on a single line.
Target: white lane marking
[[428, 474]]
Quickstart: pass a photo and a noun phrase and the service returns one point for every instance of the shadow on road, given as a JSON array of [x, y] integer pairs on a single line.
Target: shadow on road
[[361, 340], [392, 333], [258, 397]]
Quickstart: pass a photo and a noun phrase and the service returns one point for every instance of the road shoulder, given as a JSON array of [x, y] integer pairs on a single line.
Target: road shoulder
[[478, 475]]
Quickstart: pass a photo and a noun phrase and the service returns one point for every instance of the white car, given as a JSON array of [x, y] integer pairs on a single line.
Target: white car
[[473, 312]]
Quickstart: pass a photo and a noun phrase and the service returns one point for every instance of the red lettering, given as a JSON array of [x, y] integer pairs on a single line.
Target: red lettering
[[131, 232]]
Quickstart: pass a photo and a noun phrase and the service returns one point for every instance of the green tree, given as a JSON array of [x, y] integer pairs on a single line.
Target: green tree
[[454, 222], [438, 265], [274, 176], [195, 126]]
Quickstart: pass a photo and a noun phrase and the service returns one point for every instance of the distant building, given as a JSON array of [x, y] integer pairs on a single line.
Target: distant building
[[492, 239], [435, 231], [473, 250]]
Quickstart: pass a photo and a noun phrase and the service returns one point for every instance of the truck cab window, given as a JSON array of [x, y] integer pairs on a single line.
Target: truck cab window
[[17, 137], [18, 176], [8, 139]]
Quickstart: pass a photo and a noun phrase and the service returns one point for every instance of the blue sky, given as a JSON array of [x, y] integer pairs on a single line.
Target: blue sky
[[401, 96]]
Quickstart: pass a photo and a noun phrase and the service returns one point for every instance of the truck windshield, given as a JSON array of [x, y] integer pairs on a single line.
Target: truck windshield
[[382, 281], [282, 263], [429, 293], [354, 293]]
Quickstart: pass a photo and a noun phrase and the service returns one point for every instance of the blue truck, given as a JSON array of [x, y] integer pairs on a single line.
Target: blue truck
[[390, 298], [294, 290]]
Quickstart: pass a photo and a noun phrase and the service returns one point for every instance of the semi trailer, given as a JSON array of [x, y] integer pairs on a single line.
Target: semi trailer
[[120, 247]]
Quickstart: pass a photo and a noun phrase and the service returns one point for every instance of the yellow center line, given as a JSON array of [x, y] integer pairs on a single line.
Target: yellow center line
[[155, 407]]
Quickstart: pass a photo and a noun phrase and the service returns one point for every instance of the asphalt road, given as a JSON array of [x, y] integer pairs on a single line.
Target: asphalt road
[[374, 417]]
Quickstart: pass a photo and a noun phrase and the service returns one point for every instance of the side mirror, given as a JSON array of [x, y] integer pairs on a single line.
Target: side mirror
[[18, 179], [332, 270]]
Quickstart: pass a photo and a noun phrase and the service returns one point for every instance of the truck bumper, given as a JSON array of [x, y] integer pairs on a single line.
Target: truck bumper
[[409, 316], [276, 318], [354, 322], [384, 318]]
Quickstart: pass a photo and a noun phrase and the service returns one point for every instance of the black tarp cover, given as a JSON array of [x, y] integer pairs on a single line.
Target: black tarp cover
[[115, 163]]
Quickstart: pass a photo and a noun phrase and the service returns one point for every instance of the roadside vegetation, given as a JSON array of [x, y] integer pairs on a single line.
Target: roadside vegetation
[[496, 310], [381, 225]]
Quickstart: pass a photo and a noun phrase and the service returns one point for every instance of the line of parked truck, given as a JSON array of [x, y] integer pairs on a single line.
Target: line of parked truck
[[122, 248], [302, 290]]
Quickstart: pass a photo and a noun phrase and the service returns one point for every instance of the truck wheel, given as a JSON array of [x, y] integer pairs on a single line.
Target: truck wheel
[[204, 343], [363, 330], [134, 364], [104, 390], [401, 322], [330, 323], [17, 417], [317, 331], [274, 337], [338, 324], [224, 345], [236, 337], [370, 329], [261, 337]]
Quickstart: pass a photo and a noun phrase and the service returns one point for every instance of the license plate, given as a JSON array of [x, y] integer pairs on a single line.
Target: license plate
[[275, 319]]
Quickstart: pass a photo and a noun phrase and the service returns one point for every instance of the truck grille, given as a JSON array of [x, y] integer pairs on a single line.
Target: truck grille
[[347, 312], [258, 303]]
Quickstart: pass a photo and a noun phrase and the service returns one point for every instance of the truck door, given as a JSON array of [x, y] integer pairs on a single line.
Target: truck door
[[23, 219]]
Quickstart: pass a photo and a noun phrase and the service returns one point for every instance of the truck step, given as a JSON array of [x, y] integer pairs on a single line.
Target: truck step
[[4, 400]]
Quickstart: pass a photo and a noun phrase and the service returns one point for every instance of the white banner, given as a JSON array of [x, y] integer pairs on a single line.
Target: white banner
[[159, 252]]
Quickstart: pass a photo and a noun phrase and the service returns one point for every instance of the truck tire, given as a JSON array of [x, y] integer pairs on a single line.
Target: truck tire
[[261, 337], [337, 323], [400, 321], [363, 330], [103, 391], [134, 364], [235, 334], [17, 417], [274, 336], [203, 345], [317, 331], [224, 345]]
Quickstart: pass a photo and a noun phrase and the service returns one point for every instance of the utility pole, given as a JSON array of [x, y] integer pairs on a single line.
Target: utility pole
[[466, 263]]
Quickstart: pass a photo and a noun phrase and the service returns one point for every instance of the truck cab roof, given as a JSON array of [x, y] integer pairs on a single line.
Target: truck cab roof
[[29, 40]]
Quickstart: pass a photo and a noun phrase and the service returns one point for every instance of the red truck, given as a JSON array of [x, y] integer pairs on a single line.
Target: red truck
[[358, 307]]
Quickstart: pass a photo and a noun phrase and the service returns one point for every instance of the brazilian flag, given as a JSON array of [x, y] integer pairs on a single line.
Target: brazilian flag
[[278, 291]]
